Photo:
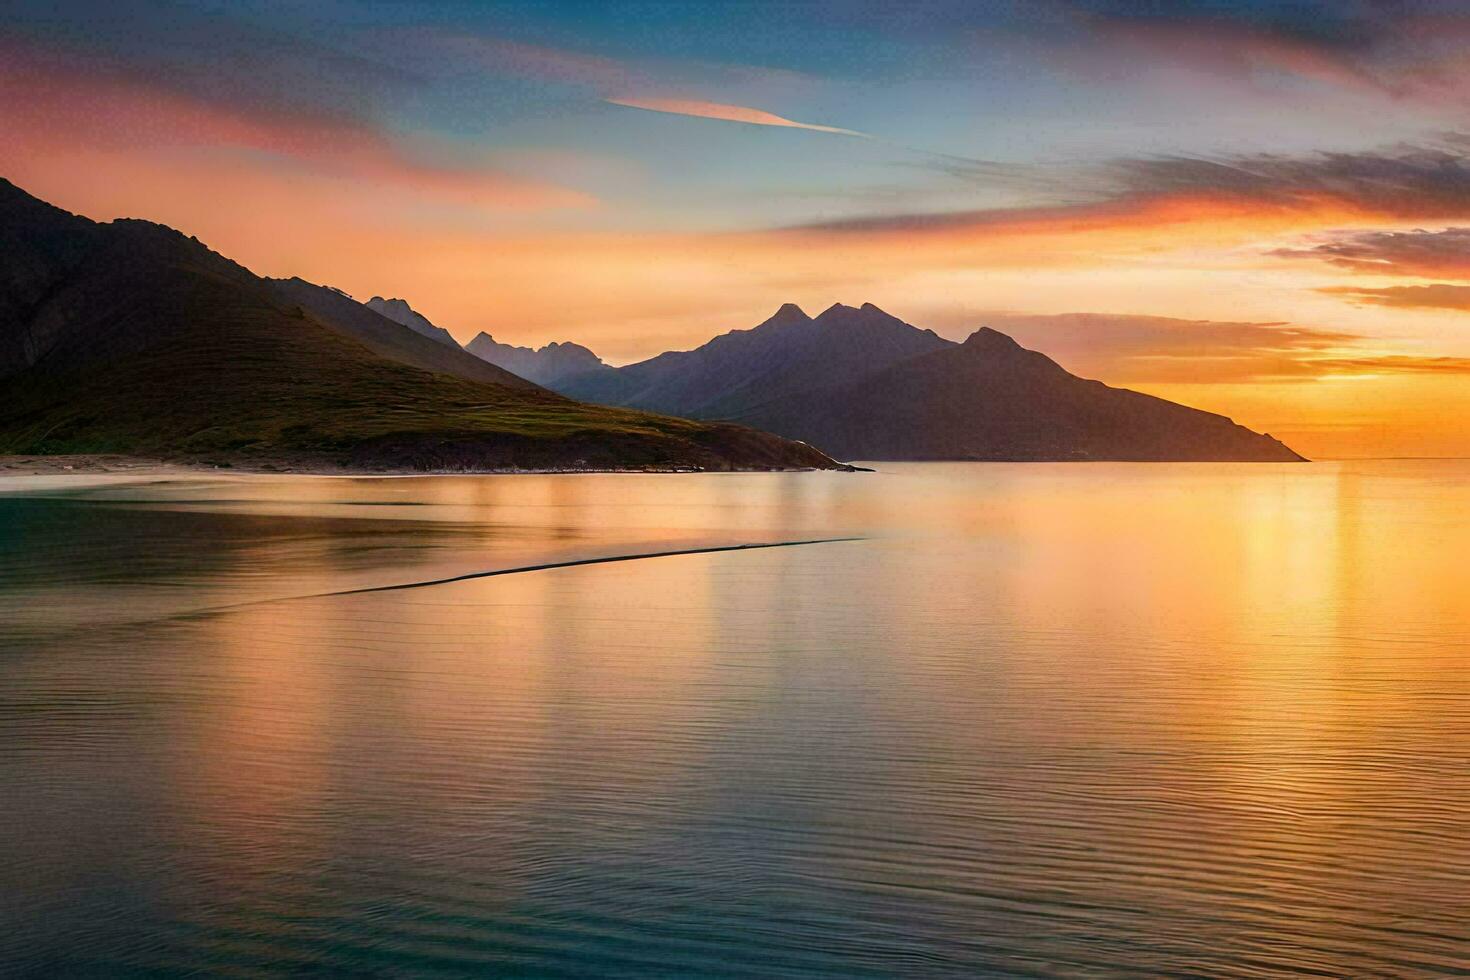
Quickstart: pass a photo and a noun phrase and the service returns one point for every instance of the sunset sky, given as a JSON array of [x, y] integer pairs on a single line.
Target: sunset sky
[[1261, 209]]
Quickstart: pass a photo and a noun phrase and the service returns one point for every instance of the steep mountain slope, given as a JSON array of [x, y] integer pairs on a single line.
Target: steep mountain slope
[[992, 399], [543, 365], [129, 337], [389, 338], [39, 246], [399, 311], [737, 371]]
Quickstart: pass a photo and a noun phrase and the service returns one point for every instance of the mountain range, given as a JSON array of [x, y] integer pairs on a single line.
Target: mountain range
[[548, 365], [862, 384], [130, 337], [390, 338]]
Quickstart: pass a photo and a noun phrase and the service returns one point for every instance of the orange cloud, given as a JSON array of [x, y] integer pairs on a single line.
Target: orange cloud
[[729, 113], [1391, 364], [1268, 193], [334, 199], [1438, 296], [1129, 348]]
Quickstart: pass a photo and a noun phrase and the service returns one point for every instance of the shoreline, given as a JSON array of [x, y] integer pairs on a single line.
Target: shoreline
[[81, 464]]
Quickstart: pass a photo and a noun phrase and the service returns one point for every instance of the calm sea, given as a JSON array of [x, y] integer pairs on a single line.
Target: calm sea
[[1102, 720]]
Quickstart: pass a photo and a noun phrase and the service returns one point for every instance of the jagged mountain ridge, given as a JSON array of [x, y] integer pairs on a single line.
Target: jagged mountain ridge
[[862, 384], [399, 311], [785, 355], [546, 365]]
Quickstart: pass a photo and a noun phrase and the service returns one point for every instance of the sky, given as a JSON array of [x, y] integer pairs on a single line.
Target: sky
[[1259, 208]]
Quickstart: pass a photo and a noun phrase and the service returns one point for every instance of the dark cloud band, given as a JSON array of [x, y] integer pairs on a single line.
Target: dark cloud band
[[1429, 254]]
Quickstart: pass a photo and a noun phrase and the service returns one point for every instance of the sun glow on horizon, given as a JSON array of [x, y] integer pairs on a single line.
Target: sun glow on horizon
[[499, 183]]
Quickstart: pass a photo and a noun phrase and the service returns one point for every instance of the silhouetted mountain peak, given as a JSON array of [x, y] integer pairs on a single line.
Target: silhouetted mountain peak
[[399, 311], [789, 315], [836, 309], [743, 368], [841, 315], [395, 305], [568, 347], [987, 338]]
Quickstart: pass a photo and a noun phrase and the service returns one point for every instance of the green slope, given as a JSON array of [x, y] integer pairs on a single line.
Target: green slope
[[131, 338]]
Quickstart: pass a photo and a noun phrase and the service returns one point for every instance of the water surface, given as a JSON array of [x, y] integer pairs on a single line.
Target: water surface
[[1111, 720]]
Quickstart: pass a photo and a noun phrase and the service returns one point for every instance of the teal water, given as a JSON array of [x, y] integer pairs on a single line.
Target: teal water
[[1073, 720]]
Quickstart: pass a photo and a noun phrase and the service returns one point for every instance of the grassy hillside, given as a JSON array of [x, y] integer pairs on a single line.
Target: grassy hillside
[[143, 341], [294, 386]]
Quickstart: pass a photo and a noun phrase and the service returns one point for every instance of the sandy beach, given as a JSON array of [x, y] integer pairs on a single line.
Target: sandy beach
[[93, 463]]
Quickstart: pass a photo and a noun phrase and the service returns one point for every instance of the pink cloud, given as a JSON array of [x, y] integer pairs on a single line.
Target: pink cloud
[[729, 113], [51, 105]]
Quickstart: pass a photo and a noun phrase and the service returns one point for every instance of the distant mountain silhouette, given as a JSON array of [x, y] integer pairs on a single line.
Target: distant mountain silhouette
[[992, 399], [861, 384], [544, 365], [130, 337], [389, 338], [399, 311], [786, 355]]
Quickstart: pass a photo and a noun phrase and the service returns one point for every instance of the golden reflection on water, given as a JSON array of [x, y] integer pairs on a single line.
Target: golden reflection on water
[[1118, 719]]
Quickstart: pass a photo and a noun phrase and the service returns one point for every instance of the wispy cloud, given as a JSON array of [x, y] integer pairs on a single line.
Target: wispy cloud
[[632, 83], [1331, 50], [1406, 50], [1438, 296], [1400, 183], [1390, 364], [1441, 254], [729, 113]]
